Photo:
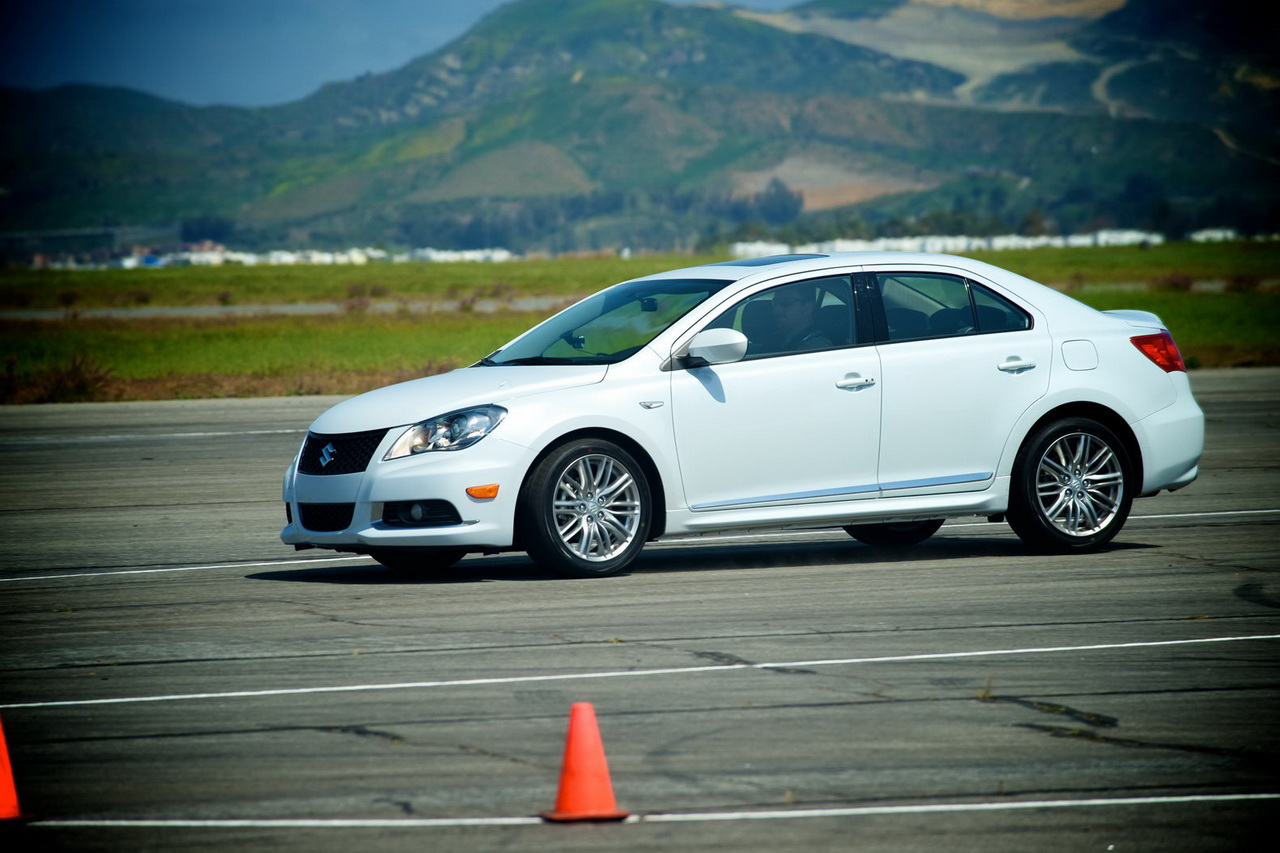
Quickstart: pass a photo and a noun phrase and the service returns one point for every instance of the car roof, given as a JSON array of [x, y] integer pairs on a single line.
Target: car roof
[[773, 265], [751, 271]]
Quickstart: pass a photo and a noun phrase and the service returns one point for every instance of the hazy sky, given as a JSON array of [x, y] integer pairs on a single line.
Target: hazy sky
[[241, 52]]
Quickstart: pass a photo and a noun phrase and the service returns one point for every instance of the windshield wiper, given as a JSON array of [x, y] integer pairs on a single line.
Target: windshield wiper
[[546, 359]]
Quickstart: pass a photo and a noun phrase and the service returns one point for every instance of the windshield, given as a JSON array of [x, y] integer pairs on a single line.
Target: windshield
[[610, 326]]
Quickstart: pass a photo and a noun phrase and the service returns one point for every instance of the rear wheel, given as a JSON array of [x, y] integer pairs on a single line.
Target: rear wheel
[[894, 535], [1071, 489], [417, 562], [585, 510]]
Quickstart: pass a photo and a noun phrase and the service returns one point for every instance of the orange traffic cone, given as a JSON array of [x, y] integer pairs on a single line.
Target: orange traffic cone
[[8, 793], [585, 790]]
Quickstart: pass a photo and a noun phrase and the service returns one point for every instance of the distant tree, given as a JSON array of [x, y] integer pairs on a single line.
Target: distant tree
[[778, 204], [1033, 224], [208, 226], [1168, 220]]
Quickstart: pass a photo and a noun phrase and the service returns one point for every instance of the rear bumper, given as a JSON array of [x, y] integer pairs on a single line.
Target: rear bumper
[[1172, 441]]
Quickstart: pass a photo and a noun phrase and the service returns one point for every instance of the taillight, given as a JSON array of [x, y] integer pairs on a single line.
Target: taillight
[[1161, 349]]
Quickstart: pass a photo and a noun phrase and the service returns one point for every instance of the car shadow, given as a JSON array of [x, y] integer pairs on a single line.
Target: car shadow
[[790, 555], [679, 557], [507, 567]]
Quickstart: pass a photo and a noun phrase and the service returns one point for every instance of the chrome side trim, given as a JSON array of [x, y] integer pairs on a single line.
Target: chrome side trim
[[849, 491], [793, 496], [926, 482]]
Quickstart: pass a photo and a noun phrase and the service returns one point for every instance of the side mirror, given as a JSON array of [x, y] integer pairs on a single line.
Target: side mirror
[[716, 346]]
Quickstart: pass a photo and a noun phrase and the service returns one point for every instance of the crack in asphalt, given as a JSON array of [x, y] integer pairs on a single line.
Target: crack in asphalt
[[361, 731], [720, 657], [1096, 737], [1103, 721], [1087, 717], [510, 759], [405, 806], [664, 643], [733, 660]]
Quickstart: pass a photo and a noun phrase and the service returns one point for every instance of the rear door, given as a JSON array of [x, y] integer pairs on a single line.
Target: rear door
[[959, 362]]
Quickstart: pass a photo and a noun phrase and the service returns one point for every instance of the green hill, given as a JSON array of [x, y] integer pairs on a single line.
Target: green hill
[[635, 122]]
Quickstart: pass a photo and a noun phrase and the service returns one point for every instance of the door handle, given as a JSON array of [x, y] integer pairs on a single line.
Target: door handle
[[854, 381], [1013, 364]]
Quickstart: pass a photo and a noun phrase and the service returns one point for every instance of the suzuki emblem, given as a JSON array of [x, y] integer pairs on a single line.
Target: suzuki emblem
[[326, 455]]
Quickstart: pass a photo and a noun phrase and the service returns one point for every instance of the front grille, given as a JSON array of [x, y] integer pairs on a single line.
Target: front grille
[[326, 517], [339, 454]]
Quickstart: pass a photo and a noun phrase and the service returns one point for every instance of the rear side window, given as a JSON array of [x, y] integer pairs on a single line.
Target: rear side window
[[930, 305], [995, 313]]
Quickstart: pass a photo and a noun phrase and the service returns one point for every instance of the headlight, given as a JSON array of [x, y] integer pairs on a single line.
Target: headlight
[[453, 431]]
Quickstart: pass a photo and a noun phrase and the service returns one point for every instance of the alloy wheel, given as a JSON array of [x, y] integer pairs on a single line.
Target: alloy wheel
[[597, 507], [1079, 484]]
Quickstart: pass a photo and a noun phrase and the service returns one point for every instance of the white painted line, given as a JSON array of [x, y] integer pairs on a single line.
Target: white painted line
[[1028, 651], [293, 823], [145, 436], [1147, 517], [627, 673], [953, 808], [1209, 514], [690, 817], [189, 568]]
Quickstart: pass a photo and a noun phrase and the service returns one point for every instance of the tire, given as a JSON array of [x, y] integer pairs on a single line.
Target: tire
[[585, 510], [1072, 487], [894, 535], [418, 562]]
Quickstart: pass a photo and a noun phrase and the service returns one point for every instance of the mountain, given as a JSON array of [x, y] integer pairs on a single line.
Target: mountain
[[587, 124]]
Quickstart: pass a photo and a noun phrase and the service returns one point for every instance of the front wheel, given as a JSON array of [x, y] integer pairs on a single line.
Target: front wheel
[[1072, 487], [585, 510], [892, 535]]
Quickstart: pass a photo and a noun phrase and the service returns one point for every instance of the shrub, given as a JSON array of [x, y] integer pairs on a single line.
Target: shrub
[[1174, 282], [82, 380], [1243, 283]]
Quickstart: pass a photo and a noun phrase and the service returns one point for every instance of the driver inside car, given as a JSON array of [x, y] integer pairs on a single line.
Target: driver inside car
[[795, 313]]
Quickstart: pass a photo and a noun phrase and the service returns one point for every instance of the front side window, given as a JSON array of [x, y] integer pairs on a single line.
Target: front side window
[[932, 305], [607, 327], [803, 316]]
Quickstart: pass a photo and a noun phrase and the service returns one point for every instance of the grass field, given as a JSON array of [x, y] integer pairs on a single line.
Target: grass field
[[1228, 318], [274, 285], [239, 285]]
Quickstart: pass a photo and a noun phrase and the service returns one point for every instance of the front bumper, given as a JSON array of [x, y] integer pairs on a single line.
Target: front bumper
[[479, 524]]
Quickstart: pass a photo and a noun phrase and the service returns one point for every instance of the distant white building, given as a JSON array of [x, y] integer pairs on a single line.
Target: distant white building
[[1214, 235], [450, 255], [948, 243], [758, 249]]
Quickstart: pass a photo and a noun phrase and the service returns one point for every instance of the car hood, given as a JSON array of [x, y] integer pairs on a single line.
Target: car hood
[[410, 402]]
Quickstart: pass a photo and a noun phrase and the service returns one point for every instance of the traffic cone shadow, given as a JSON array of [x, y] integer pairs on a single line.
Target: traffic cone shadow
[[8, 791], [585, 790]]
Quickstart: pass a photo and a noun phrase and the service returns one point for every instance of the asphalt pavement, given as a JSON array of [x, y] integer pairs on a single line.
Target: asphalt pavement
[[172, 677]]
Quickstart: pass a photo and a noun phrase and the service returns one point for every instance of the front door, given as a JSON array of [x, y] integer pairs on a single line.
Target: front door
[[796, 421]]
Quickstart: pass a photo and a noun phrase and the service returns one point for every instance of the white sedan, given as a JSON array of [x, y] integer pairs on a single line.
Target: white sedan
[[881, 393]]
